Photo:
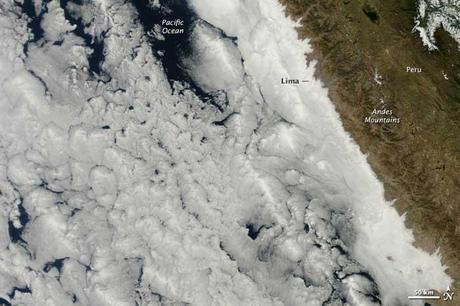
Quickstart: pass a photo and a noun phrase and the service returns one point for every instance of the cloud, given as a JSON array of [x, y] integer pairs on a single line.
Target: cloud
[[434, 14], [123, 183]]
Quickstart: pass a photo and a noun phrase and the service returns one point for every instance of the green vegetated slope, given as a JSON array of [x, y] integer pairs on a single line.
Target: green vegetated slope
[[361, 43]]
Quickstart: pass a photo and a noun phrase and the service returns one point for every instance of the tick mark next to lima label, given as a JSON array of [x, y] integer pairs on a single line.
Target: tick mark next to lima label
[[288, 81]]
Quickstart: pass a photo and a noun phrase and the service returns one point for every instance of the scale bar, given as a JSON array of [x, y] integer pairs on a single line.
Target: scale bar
[[424, 297]]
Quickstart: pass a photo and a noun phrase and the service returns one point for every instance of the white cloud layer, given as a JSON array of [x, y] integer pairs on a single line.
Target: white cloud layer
[[125, 188], [436, 14]]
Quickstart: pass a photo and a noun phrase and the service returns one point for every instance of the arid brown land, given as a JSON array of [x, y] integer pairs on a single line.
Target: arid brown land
[[361, 43]]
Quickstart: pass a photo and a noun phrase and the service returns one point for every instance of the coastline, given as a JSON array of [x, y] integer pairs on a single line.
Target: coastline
[[367, 54]]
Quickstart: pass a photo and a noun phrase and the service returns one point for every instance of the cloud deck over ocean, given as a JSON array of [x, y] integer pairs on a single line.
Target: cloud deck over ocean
[[141, 168]]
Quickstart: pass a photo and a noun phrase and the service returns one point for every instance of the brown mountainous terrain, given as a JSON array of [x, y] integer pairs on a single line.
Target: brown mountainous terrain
[[400, 102]]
